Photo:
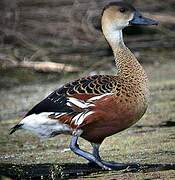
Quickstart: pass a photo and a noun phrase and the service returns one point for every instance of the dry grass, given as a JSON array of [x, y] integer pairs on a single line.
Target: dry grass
[[149, 141]]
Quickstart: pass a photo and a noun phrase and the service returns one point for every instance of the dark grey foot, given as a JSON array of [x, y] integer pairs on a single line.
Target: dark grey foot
[[116, 166], [120, 166]]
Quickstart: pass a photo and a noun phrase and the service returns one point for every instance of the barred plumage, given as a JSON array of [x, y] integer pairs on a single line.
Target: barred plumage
[[91, 85]]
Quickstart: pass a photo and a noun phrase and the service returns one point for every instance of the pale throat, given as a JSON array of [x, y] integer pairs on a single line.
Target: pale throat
[[114, 36]]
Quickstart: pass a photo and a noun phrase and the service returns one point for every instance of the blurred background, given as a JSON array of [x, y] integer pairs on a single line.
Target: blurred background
[[45, 42]]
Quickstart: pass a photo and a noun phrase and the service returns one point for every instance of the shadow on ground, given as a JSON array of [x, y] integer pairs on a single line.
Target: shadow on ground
[[52, 171]]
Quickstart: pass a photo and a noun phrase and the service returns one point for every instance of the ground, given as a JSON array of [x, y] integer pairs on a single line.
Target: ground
[[150, 141]]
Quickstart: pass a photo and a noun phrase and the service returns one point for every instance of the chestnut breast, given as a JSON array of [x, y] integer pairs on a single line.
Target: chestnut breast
[[113, 114]]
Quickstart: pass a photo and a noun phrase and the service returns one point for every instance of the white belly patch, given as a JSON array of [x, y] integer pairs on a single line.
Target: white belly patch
[[43, 126]]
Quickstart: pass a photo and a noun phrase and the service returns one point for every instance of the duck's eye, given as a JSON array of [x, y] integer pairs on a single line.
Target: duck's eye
[[122, 10]]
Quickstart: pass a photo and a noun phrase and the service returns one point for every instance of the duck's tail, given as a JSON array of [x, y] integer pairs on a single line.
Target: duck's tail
[[16, 127]]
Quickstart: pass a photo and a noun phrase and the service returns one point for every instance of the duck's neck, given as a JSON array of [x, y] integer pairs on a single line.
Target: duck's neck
[[125, 60], [129, 69]]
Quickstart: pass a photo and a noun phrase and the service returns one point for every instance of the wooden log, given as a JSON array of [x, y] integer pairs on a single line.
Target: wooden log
[[48, 66], [41, 66]]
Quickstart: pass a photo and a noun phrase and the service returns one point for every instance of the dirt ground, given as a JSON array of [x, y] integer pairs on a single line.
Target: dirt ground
[[151, 140]]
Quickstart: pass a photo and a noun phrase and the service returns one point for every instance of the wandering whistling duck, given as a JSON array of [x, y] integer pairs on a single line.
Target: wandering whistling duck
[[98, 106]]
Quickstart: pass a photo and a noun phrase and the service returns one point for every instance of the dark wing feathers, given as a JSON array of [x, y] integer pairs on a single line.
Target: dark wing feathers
[[56, 101], [53, 103]]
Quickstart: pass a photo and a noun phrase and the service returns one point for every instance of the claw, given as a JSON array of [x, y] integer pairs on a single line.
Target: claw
[[106, 168]]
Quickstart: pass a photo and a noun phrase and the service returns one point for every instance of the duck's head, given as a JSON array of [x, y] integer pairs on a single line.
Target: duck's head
[[118, 15]]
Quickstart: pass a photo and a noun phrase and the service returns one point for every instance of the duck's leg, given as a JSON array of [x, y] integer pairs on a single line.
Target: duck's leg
[[111, 165], [95, 151], [75, 148]]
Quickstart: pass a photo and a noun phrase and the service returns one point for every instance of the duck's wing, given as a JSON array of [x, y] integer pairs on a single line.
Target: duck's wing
[[73, 102]]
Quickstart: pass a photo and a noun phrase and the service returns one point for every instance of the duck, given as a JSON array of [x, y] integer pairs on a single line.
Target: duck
[[96, 107]]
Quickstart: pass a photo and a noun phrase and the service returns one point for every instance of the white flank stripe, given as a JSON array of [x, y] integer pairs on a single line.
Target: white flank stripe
[[99, 97], [87, 114], [77, 102], [78, 119], [69, 104], [59, 115], [83, 104]]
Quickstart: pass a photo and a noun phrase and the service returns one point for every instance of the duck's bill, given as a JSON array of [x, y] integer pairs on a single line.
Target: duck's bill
[[138, 19]]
